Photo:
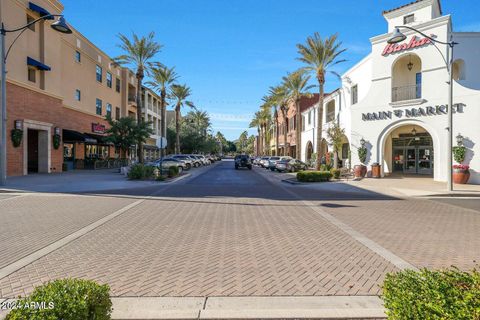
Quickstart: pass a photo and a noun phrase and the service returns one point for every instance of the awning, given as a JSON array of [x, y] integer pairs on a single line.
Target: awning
[[150, 147], [75, 136], [41, 11], [99, 138], [37, 64]]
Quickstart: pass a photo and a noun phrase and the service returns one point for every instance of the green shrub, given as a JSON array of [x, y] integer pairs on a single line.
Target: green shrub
[[139, 171], [335, 173], [314, 176], [66, 299], [172, 171], [325, 167], [444, 295]]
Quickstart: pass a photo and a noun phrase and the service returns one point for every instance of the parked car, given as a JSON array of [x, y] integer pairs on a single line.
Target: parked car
[[188, 161], [256, 161], [243, 161], [264, 162], [291, 165], [197, 160], [166, 163], [273, 161], [204, 159]]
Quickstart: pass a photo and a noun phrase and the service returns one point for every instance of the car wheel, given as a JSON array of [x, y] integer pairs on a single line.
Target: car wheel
[[188, 166], [249, 167], [180, 169]]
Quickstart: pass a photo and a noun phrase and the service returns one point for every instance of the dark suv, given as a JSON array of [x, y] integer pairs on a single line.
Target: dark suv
[[243, 161]]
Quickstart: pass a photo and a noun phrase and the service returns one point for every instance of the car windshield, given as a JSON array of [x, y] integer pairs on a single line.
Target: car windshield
[[275, 158]]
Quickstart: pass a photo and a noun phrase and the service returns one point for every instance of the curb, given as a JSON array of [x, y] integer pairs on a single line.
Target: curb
[[281, 307]]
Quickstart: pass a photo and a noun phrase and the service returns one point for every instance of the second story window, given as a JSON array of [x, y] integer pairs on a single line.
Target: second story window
[[78, 56], [32, 75], [409, 19], [354, 94], [109, 79], [117, 84], [78, 95], [29, 20], [98, 105], [109, 109], [98, 71], [117, 113]]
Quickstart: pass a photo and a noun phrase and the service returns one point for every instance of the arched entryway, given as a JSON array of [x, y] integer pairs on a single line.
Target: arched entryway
[[309, 151], [408, 149]]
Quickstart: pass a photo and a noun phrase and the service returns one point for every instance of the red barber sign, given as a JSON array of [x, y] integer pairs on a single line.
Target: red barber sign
[[414, 43]]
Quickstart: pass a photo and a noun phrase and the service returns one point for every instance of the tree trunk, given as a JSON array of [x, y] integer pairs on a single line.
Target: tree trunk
[[335, 159], [163, 120], [177, 129], [285, 144], [265, 139], [298, 131], [319, 123], [139, 111], [277, 137]]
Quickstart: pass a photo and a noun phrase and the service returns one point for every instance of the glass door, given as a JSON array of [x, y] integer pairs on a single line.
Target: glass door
[[398, 159], [425, 160], [410, 160]]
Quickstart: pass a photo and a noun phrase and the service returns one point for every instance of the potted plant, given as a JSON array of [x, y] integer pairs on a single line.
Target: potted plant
[[461, 172], [360, 170]]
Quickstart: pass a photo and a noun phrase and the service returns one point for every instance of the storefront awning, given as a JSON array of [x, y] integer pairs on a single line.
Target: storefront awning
[[75, 136], [41, 11], [101, 139], [37, 64]]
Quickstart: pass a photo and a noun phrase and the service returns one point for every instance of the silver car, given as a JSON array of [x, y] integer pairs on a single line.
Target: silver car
[[264, 162], [188, 161]]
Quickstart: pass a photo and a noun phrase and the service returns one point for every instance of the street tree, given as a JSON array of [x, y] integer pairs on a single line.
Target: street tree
[[319, 56], [162, 80], [180, 94], [126, 132], [137, 54], [336, 135]]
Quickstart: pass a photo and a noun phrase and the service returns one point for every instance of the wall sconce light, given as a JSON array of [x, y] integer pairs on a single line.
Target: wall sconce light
[[414, 131], [459, 140], [410, 64], [19, 124], [362, 142], [57, 130]]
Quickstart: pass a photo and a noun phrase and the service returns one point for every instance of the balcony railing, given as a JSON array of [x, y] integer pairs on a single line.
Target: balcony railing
[[406, 93], [132, 98]]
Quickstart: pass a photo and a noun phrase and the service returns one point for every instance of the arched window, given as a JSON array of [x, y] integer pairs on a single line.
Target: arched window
[[458, 70], [407, 78]]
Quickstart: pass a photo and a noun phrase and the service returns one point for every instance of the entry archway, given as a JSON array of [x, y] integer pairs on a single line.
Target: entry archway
[[309, 151], [408, 147]]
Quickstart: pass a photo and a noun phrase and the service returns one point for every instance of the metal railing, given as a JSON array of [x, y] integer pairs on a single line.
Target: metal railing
[[406, 93]]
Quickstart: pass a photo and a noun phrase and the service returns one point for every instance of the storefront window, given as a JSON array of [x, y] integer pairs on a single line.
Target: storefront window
[[93, 151]]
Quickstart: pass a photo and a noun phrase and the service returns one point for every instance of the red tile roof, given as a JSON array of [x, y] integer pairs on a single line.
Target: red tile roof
[[409, 4]]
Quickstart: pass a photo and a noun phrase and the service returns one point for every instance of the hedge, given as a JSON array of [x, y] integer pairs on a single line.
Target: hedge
[[172, 171], [65, 299], [139, 171], [445, 294], [314, 176]]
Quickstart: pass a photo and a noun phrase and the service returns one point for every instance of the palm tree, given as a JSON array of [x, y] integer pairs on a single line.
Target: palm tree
[[265, 122], [163, 78], [278, 96], [138, 54], [297, 87], [320, 55], [256, 123], [201, 121], [180, 93]]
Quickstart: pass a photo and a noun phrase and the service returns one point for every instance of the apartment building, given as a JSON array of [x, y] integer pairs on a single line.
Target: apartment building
[[60, 88]]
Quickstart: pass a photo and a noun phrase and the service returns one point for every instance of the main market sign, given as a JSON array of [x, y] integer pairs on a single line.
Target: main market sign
[[415, 42], [412, 112]]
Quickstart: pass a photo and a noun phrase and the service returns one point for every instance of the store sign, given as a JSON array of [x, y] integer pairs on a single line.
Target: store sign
[[412, 112], [98, 128], [415, 42]]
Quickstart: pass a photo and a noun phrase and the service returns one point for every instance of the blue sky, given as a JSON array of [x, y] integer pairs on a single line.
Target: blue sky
[[230, 51]]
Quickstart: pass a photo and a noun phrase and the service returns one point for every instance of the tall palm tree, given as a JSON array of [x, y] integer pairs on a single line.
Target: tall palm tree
[[201, 121], [163, 78], [320, 55], [278, 96], [297, 87], [138, 53], [256, 123], [180, 93], [265, 122], [277, 136]]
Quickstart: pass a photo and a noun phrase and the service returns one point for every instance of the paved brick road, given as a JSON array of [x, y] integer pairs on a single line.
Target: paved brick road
[[236, 233]]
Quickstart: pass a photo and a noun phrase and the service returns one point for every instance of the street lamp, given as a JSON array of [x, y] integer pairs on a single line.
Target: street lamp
[[61, 26], [397, 37]]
